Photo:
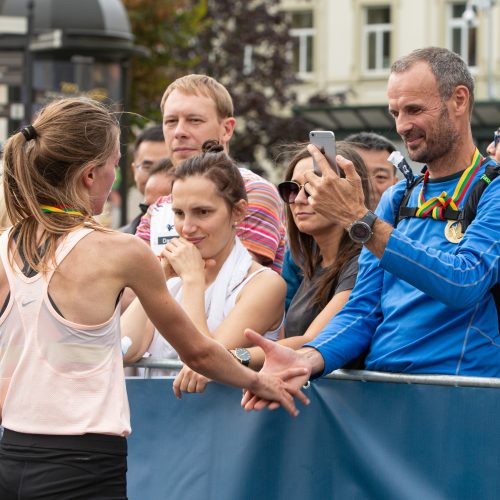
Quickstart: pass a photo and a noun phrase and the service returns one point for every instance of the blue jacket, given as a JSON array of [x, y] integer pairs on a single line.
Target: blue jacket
[[425, 306]]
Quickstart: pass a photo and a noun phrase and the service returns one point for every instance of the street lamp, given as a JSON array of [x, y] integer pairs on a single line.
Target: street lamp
[[469, 17], [28, 66]]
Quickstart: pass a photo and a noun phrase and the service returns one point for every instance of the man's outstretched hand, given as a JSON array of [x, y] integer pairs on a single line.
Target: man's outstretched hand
[[278, 362]]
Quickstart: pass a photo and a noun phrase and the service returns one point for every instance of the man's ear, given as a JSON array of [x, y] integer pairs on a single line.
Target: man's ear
[[461, 99], [228, 129], [88, 176]]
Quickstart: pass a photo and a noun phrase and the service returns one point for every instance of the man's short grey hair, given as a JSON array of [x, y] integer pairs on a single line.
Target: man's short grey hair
[[449, 69]]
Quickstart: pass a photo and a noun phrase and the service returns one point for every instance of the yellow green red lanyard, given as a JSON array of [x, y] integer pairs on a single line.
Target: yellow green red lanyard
[[434, 206], [49, 209]]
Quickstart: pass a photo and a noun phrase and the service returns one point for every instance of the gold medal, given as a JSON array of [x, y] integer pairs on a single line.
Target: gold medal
[[453, 231]]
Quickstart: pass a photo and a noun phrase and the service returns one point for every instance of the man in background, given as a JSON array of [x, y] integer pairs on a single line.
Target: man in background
[[374, 149], [494, 147], [149, 147]]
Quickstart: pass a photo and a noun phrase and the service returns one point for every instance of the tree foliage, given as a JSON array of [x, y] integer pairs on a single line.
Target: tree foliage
[[246, 45], [163, 29]]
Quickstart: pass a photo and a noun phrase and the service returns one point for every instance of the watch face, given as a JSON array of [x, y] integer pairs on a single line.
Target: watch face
[[360, 231], [243, 355]]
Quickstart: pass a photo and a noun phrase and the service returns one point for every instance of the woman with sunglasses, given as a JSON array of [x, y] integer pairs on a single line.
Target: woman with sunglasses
[[493, 149], [212, 275], [327, 255]]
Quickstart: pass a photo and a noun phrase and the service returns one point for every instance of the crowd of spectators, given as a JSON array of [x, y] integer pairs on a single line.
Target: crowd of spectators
[[326, 270], [322, 246]]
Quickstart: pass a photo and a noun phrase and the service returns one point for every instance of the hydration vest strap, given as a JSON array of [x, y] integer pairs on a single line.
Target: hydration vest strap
[[404, 211], [470, 206], [448, 213], [468, 213]]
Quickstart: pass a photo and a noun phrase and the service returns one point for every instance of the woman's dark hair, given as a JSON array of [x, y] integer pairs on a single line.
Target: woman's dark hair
[[214, 164], [304, 249]]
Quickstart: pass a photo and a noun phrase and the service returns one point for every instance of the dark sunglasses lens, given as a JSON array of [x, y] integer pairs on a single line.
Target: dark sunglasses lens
[[496, 138], [288, 191]]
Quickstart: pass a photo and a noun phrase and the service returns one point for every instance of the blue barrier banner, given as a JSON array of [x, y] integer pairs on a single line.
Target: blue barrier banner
[[356, 440]]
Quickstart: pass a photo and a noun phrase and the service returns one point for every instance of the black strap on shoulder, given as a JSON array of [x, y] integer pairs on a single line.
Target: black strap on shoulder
[[404, 211], [469, 211], [491, 172], [495, 291]]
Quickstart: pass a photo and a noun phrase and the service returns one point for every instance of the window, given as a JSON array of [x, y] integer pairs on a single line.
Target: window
[[462, 35], [377, 38], [302, 33]]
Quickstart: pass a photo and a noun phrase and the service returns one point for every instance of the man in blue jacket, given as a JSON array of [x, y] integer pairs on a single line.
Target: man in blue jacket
[[422, 302]]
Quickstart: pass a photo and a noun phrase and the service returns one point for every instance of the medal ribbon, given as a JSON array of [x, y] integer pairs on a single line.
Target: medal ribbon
[[59, 209], [434, 206]]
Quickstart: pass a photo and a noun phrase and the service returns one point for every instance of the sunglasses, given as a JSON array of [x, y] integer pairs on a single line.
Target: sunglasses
[[289, 190], [496, 138]]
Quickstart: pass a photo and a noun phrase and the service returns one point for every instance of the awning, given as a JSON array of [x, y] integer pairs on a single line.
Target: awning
[[345, 120]]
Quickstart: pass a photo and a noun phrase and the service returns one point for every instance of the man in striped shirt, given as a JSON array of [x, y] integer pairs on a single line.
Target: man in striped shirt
[[197, 108]]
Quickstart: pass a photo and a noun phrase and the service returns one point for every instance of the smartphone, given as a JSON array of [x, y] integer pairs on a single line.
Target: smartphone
[[324, 140]]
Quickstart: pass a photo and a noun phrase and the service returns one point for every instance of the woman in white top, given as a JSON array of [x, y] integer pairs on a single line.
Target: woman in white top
[[221, 288], [62, 390]]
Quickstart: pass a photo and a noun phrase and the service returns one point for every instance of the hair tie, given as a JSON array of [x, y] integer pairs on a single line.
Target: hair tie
[[29, 133], [212, 146]]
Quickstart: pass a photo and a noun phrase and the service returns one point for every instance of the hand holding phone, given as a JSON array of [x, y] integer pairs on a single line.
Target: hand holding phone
[[324, 140]]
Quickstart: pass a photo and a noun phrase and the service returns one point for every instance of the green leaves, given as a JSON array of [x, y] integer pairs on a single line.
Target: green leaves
[[162, 28]]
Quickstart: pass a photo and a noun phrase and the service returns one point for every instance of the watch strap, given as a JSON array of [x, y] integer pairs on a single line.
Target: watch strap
[[369, 218]]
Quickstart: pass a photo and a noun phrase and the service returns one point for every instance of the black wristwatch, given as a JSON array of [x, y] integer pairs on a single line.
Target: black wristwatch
[[361, 231], [242, 355]]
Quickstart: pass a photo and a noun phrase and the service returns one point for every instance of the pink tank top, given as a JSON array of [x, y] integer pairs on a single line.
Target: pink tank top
[[56, 376]]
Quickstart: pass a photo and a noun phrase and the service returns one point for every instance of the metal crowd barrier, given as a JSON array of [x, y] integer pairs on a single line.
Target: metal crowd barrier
[[360, 375], [365, 436]]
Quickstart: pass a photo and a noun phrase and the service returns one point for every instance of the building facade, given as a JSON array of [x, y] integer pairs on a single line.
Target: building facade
[[344, 49]]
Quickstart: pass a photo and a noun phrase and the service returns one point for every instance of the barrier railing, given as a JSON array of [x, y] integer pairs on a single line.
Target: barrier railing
[[361, 375]]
